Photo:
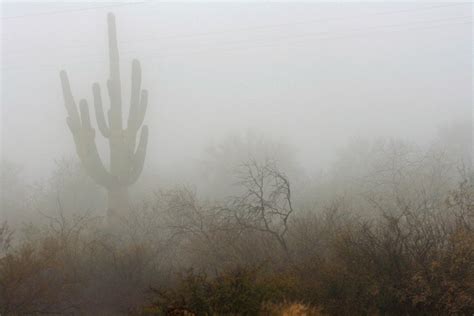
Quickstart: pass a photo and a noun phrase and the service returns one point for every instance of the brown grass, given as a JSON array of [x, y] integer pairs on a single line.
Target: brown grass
[[290, 309]]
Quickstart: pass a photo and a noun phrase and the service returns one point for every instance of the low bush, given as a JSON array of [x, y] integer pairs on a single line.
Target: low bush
[[240, 291]]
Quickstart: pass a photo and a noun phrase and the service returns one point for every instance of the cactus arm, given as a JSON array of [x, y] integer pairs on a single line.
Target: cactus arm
[[115, 112], [87, 150], [139, 157], [84, 137], [73, 116], [96, 169], [99, 111], [138, 102], [113, 48], [135, 96], [85, 117], [113, 84], [143, 107]]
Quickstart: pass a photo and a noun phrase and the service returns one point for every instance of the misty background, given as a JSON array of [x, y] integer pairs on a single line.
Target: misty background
[[311, 76], [302, 159]]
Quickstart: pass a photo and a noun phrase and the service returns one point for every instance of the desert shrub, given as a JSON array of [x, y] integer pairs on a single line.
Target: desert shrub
[[34, 279], [72, 265], [446, 284], [414, 262], [239, 291], [412, 255]]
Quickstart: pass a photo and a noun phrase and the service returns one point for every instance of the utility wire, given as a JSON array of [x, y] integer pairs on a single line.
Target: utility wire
[[280, 42], [304, 35], [263, 26], [265, 44], [270, 26], [70, 11], [352, 31], [253, 28]]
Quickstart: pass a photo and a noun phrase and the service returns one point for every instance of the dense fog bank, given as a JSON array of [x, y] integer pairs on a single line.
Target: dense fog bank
[[236, 159]]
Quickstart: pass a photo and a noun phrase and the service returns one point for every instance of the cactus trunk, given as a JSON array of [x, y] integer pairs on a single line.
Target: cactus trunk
[[126, 157], [118, 205]]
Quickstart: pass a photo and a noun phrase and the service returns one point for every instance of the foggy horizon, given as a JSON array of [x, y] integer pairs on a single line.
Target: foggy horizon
[[315, 76], [236, 158]]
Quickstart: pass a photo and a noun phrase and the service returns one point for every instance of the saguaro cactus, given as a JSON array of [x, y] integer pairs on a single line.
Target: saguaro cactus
[[126, 158]]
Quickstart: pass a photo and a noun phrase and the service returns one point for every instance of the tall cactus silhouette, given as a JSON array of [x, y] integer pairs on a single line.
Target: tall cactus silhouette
[[126, 158]]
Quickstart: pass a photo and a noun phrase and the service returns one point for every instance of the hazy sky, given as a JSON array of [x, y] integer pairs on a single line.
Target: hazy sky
[[314, 75]]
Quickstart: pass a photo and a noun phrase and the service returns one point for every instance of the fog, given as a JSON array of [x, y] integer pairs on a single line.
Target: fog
[[314, 75], [358, 105]]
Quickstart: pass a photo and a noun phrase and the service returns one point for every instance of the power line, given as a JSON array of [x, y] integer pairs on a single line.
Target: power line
[[356, 31], [253, 28], [70, 11], [265, 44], [308, 36], [312, 34], [262, 27]]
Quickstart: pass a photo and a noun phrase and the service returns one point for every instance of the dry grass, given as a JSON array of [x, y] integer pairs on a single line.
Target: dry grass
[[290, 309]]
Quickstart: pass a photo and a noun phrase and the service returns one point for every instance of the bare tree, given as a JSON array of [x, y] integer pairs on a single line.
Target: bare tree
[[203, 229], [265, 204]]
